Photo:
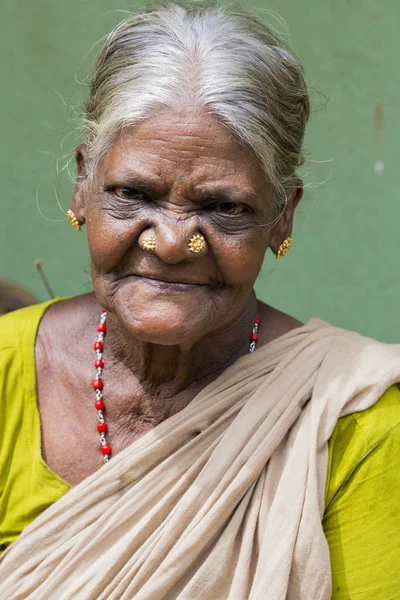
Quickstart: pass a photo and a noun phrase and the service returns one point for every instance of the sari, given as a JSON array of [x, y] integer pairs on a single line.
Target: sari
[[224, 500]]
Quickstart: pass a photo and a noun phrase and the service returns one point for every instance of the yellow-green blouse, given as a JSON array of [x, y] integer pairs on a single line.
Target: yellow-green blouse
[[362, 499]]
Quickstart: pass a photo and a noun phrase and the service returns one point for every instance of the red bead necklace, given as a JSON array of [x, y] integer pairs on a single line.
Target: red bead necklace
[[99, 405]]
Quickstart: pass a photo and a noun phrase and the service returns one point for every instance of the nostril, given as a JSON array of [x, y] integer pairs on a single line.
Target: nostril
[[177, 241], [170, 250], [171, 243]]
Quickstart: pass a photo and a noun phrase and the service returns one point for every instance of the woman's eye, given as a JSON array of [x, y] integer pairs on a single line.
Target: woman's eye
[[128, 193], [229, 208]]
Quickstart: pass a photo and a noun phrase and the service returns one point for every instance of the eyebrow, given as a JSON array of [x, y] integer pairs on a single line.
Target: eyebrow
[[203, 191], [127, 177], [224, 192], [227, 193]]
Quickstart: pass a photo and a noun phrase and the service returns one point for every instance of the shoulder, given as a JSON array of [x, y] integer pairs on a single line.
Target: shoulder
[[19, 332], [65, 311], [378, 421], [17, 325], [370, 437], [362, 511], [279, 323], [61, 323]]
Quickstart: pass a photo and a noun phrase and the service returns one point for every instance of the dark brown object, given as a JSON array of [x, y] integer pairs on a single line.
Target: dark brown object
[[13, 296]]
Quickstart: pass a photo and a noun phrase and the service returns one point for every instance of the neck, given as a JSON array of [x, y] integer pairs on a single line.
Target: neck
[[166, 371]]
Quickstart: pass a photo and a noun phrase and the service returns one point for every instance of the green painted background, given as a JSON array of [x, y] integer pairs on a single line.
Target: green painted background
[[344, 263]]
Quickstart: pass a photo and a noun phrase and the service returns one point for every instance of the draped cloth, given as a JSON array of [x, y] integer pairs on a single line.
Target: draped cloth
[[223, 500]]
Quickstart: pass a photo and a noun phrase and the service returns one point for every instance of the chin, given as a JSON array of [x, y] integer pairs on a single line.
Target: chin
[[165, 322], [165, 332], [168, 316]]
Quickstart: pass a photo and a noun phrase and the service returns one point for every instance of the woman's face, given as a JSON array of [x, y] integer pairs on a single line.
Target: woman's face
[[173, 176]]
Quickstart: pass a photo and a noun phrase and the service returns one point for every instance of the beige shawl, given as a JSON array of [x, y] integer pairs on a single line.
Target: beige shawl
[[223, 500]]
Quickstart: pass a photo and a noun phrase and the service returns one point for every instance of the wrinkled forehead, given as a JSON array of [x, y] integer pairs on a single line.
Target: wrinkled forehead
[[183, 147]]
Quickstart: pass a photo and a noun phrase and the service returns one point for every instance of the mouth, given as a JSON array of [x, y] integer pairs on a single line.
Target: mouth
[[162, 284]]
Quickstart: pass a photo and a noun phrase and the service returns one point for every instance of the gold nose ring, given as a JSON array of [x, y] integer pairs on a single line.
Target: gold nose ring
[[149, 243], [197, 243]]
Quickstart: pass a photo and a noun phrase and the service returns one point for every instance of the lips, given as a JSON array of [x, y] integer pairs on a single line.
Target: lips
[[168, 285], [165, 279]]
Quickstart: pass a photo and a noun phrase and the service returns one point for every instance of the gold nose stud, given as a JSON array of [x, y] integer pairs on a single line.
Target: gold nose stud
[[197, 243], [73, 220], [149, 243]]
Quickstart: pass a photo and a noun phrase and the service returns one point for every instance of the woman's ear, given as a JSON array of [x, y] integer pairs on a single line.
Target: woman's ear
[[284, 226], [79, 196]]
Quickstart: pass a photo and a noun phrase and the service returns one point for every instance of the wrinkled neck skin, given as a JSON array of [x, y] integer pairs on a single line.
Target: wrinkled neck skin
[[162, 371]]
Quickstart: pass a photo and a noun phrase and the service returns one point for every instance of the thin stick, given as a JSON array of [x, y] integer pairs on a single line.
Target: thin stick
[[38, 265]]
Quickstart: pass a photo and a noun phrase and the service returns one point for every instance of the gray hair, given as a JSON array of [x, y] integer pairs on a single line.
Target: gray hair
[[208, 58]]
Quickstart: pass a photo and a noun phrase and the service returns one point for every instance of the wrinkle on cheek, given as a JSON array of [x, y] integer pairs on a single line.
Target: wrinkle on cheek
[[108, 253], [240, 264]]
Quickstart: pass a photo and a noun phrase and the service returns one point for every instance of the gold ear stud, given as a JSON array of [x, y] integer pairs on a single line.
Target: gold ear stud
[[73, 220], [149, 243], [284, 247], [197, 243]]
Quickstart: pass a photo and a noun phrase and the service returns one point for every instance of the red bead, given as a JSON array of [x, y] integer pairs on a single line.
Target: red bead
[[102, 327], [99, 364], [98, 346], [102, 427], [257, 321], [106, 449], [97, 384], [99, 405], [103, 310], [253, 337]]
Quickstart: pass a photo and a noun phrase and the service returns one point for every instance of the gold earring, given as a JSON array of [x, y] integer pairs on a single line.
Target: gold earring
[[284, 247], [149, 243], [73, 220], [197, 243]]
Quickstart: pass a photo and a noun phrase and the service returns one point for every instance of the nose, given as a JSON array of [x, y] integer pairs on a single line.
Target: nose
[[172, 239]]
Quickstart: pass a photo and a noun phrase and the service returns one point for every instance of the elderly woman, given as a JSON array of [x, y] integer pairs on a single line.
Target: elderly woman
[[247, 455]]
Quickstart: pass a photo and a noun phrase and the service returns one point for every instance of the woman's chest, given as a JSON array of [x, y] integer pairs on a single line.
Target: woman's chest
[[71, 443]]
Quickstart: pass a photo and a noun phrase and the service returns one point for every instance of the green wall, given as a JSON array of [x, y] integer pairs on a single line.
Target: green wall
[[343, 266]]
